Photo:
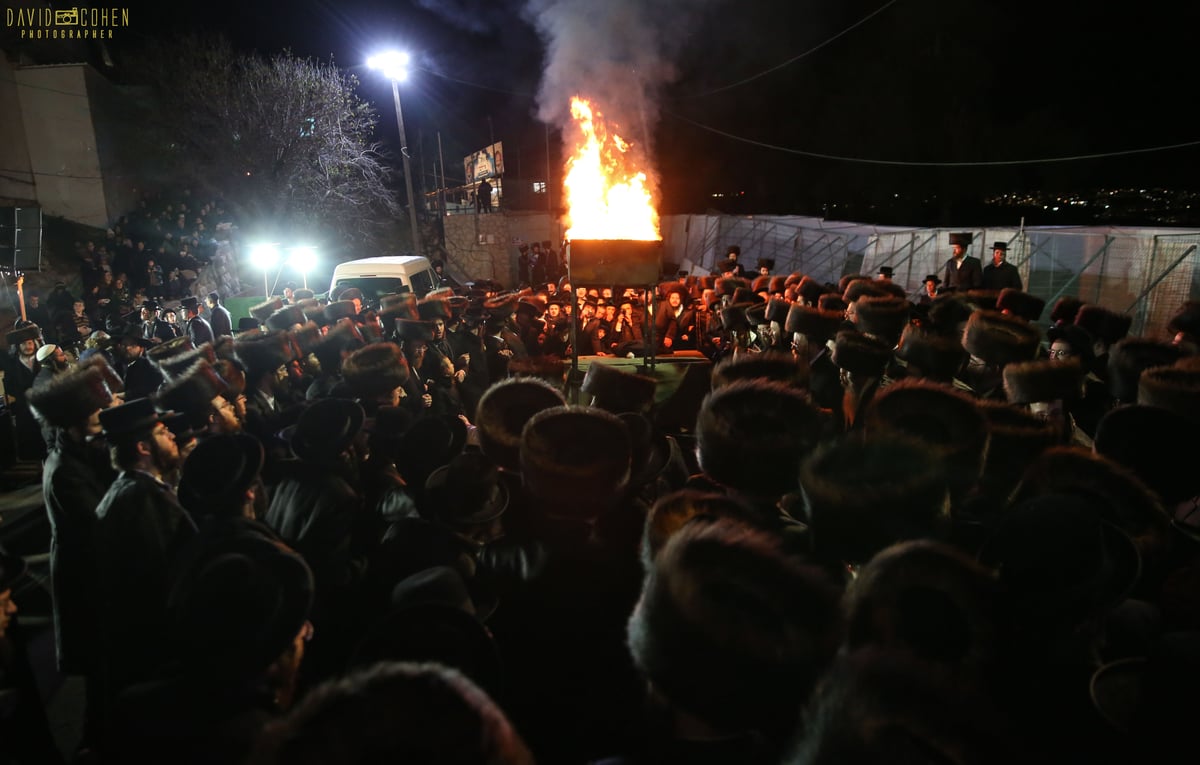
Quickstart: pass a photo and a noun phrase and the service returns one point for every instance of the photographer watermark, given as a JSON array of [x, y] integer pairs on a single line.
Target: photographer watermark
[[66, 23]]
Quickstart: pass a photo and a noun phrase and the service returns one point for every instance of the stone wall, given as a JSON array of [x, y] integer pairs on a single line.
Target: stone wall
[[221, 274], [477, 247]]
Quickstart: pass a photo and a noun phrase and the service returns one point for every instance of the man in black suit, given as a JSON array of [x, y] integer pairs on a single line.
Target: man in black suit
[[219, 316], [963, 272], [1000, 273], [199, 331]]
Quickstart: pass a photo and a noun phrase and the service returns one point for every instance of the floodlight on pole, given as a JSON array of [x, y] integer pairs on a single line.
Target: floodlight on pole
[[394, 66], [264, 256], [303, 259]]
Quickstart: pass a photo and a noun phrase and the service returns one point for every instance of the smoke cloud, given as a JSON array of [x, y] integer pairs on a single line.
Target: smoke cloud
[[617, 53]]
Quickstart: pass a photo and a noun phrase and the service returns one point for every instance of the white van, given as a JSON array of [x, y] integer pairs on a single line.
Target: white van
[[383, 276]]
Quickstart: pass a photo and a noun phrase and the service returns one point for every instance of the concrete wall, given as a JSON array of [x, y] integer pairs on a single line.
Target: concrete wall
[[56, 114], [485, 246], [16, 175]]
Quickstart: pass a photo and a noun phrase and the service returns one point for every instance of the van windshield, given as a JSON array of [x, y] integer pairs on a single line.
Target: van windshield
[[373, 286], [422, 282]]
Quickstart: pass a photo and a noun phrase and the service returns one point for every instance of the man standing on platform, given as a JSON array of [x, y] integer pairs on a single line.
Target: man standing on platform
[[963, 272], [1000, 273]]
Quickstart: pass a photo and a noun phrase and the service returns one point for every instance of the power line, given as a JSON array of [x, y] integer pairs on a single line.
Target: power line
[[903, 163], [477, 85], [794, 59]]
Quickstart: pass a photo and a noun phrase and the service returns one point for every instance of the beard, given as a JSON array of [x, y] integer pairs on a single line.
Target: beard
[[164, 461]]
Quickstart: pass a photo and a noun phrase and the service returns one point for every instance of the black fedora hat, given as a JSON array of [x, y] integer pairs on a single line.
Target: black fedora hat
[[131, 419], [427, 444], [325, 429], [467, 490], [218, 472]]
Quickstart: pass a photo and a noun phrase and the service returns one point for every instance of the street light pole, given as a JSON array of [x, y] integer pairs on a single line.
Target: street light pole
[[412, 200]]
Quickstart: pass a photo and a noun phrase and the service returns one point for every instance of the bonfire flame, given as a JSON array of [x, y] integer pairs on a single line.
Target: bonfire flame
[[607, 196]]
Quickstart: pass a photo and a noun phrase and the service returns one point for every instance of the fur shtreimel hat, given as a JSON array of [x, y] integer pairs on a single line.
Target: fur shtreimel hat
[[341, 309], [931, 356], [192, 393], [265, 309], [1030, 382], [742, 296], [1065, 310], [910, 586], [285, 318], [504, 409], [551, 369], [774, 366], [831, 301], [263, 354], [434, 308], [70, 398], [947, 313], [861, 354], [883, 318], [1186, 319], [311, 308], [756, 314], [1016, 437], [306, 337], [343, 336], [501, 306], [576, 459], [375, 370], [998, 339], [776, 310], [943, 418], [846, 280], [731, 629], [1111, 491], [18, 336], [111, 378], [983, 299], [816, 325], [760, 284], [414, 330], [864, 495], [1172, 388], [733, 318], [752, 434], [402, 306], [1103, 324], [728, 285], [1022, 304], [173, 366], [776, 285], [861, 288], [810, 290], [617, 391], [1129, 357], [234, 375], [170, 348]]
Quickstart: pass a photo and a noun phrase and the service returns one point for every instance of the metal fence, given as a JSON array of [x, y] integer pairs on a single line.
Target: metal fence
[[1146, 273]]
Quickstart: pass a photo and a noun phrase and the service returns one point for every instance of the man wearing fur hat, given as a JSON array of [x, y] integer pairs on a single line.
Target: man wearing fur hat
[[21, 369], [74, 480]]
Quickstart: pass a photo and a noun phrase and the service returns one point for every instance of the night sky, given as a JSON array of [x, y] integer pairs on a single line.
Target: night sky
[[921, 82]]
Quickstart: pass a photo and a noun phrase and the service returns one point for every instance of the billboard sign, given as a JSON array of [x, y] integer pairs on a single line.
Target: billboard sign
[[488, 162]]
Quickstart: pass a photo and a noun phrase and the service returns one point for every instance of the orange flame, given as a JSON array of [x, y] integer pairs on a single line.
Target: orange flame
[[607, 196]]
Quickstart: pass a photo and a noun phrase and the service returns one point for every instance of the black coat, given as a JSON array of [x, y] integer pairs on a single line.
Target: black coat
[[199, 331], [72, 490], [1001, 276], [141, 379], [140, 530], [221, 321], [968, 276], [317, 512]]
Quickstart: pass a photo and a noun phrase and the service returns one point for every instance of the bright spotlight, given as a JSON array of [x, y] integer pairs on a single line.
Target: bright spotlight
[[264, 256], [393, 64], [303, 259]]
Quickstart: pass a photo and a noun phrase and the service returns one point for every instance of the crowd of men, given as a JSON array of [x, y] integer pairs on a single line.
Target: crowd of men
[[861, 526]]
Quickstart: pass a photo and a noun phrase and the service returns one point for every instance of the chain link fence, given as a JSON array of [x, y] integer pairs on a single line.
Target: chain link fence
[[1147, 273]]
